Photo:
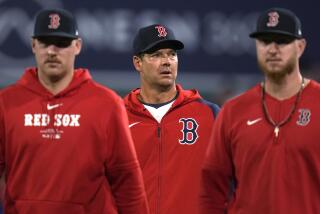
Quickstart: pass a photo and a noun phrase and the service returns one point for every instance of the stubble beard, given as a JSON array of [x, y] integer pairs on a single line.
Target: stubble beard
[[277, 74], [163, 87], [166, 84], [53, 76]]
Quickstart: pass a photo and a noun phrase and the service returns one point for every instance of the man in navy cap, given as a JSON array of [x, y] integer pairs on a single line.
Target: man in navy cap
[[170, 126], [267, 139], [65, 145]]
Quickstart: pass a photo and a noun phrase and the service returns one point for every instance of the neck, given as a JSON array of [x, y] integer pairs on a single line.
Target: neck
[[286, 87], [156, 96]]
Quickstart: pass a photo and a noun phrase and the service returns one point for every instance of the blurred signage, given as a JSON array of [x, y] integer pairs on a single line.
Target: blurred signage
[[215, 40]]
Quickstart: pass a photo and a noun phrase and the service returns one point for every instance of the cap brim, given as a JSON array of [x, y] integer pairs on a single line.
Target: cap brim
[[57, 34], [273, 32], [172, 44]]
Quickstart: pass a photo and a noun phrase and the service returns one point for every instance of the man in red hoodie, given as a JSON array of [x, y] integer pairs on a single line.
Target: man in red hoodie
[[65, 146], [170, 126]]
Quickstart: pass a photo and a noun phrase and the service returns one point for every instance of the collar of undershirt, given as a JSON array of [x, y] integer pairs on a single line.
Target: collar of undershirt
[[158, 105]]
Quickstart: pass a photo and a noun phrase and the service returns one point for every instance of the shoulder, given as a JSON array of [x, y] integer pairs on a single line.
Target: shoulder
[[311, 90], [10, 91], [103, 93], [102, 90], [314, 85], [192, 96], [246, 97], [248, 101], [213, 107]]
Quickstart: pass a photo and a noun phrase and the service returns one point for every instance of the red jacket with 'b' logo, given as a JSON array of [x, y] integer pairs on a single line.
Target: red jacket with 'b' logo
[[171, 152]]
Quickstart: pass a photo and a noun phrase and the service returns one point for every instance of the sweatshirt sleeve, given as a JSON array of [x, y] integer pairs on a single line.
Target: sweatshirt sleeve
[[122, 167], [2, 138], [217, 170]]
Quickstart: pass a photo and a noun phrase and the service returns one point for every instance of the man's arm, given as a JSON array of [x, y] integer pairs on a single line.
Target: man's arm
[[123, 170], [216, 171]]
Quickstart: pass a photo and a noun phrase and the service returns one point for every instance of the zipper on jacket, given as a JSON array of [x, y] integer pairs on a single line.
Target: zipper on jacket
[[158, 211], [158, 131]]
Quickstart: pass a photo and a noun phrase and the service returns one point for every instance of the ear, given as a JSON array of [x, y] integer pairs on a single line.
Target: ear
[[137, 62], [33, 45], [78, 46], [302, 44]]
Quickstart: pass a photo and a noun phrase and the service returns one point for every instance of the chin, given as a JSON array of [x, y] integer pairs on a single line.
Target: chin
[[275, 74], [167, 82], [52, 69], [166, 85], [56, 78], [55, 74]]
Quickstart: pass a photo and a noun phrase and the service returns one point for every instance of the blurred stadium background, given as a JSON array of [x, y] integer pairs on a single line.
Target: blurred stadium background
[[219, 58]]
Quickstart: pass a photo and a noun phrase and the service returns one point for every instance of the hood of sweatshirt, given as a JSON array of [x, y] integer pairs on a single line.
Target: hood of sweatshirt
[[30, 81], [48, 101]]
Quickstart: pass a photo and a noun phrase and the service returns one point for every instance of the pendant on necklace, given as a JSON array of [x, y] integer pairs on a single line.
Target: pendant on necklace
[[276, 131]]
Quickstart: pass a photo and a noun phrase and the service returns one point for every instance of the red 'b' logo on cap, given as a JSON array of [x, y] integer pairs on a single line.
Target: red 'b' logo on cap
[[162, 31], [273, 19], [54, 21]]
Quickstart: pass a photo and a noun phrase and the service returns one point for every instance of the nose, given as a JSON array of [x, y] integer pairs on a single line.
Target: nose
[[166, 60], [273, 47], [52, 50]]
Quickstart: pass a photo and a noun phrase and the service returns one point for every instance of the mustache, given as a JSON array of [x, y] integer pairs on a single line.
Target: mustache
[[52, 60]]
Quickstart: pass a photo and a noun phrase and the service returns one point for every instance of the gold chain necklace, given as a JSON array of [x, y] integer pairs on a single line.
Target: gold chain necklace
[[285, 120]]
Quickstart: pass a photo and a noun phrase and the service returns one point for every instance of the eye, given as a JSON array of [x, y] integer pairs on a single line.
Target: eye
[[173, 53], [278, 41], [266, 41], [155, 54], [58, 42], [63, 43], [283, 41]]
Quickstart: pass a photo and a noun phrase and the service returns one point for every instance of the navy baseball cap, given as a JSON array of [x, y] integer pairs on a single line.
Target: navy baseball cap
[[55, 22], [278, 21], [155, 37]]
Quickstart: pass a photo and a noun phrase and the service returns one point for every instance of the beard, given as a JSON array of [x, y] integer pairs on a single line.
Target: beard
[[277, 73]]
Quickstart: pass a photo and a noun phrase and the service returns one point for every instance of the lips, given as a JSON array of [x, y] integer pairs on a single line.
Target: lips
[[274, 60], [52, 61], [165, 72]]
